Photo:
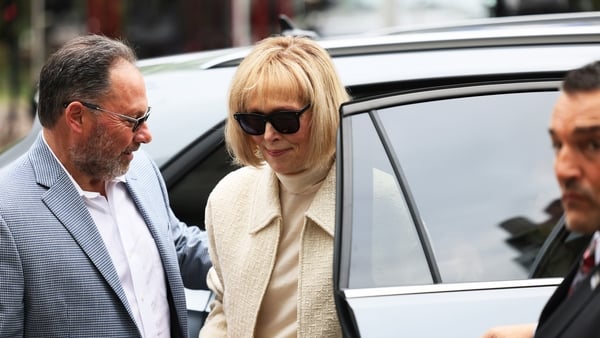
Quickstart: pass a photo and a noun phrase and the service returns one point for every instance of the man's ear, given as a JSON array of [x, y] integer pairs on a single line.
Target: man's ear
[[74, 116]]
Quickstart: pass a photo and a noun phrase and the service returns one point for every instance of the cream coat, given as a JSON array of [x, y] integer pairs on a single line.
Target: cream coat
[[243, 219]]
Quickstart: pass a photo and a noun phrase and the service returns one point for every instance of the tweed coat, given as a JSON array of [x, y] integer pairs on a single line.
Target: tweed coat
[[56, 276], [575, 315], [243, 220]]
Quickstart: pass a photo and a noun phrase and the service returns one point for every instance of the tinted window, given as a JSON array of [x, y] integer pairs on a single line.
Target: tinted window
[[476, 176], [385, 245], [188, 195]]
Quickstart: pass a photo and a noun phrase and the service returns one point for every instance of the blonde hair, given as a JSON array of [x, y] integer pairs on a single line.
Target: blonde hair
[[293, 68]]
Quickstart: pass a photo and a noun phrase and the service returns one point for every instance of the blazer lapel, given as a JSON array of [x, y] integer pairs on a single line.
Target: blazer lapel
[[264, 208], [322, 208], [153, 210], [64, 201], [264, 230], [581, 296], [563, 309]]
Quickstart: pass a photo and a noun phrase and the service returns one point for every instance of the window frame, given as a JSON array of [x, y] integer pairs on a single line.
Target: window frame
[[346, 297]]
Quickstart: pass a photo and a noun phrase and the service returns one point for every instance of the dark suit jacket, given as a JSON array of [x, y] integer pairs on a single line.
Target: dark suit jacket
[[576, 316], [56, 276]]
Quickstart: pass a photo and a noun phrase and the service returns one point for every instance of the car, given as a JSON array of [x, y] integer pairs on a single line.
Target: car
[[448, 218]]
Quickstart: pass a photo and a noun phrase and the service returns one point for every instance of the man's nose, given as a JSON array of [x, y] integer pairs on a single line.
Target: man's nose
[[143, 134], [566, 165]]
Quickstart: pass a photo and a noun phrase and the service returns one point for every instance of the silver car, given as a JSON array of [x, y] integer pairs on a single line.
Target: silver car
[[448, 213]]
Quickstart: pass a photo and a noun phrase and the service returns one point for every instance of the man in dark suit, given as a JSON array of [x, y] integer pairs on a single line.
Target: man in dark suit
[[89, 246], [574, 308]]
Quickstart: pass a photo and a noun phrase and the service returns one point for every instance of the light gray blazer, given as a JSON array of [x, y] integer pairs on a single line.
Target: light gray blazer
[[56, 276]]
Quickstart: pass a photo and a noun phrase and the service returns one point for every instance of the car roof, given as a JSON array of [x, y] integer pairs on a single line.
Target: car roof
[[557, 19], [513, 46], [549, 29], [484, 50]]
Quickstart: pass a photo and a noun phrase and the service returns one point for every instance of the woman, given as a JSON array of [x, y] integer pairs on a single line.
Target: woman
[[271, 223]]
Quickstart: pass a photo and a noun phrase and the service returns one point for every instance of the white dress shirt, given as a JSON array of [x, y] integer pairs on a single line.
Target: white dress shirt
[[134, 255]]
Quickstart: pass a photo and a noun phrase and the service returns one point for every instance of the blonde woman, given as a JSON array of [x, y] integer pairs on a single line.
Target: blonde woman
[[271, 222]]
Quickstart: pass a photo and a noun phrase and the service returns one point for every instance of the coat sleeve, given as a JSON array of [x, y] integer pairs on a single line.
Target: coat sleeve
[[216, 322], [11, 286], [191, 243]]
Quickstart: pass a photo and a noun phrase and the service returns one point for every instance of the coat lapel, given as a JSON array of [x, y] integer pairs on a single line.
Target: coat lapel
[[264, 231], [264, 210], [149, 199], [153, 210], [563, 309], [63, 200], [322, 208], [264, 226]]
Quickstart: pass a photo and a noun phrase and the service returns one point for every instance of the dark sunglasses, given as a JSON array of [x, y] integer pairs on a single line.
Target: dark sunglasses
[[285, 121]]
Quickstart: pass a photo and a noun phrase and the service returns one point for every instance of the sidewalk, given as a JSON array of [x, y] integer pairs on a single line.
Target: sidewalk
[[14, 123]]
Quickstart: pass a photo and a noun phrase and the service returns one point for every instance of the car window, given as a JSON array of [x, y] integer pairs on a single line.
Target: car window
[[189, 194], [460, 186], [384, 231]]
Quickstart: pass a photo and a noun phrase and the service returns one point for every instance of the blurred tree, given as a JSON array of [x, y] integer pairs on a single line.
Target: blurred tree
[[104, 17], [265, 17], [154, 27], [9, 34], [207, 24]]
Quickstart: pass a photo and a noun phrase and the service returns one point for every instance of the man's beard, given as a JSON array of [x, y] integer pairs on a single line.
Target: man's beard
[[93, 159]]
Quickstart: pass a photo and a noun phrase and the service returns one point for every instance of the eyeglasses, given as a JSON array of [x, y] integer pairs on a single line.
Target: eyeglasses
[[135, 123], [285, 121]]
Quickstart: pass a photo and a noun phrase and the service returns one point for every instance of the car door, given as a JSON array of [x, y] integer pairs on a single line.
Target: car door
[[448, 213]]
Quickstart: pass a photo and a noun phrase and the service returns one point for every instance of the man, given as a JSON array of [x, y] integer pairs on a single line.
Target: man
[[88, 243], [574, 308]]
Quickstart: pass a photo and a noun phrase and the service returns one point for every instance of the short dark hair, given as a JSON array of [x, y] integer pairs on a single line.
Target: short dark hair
[[582, 79], [79, 70]]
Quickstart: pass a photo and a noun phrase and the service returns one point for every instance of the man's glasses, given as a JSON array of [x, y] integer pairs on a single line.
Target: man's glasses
[[285, 122], [135, 123]]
